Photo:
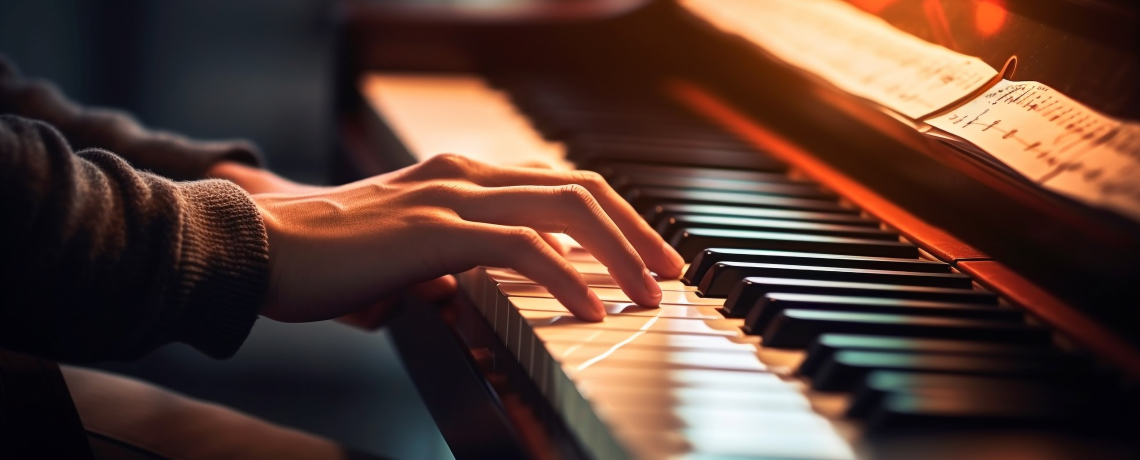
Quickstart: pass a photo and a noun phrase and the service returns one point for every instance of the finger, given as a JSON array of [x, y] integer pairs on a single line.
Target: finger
[[658, 256], [556, 244], [436, 290], [568, 209], [524, 251]]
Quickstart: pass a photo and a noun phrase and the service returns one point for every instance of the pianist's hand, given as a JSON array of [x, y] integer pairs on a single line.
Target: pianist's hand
[[337, 250]]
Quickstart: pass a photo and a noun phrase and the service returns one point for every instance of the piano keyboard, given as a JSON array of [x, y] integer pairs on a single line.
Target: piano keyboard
[[802, 328]]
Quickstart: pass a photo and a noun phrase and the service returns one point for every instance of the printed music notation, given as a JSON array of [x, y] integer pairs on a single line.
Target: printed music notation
[[1054, 141], [854, 50]]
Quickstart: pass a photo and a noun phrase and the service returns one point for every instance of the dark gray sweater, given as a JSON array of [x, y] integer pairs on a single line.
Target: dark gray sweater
[[100, 259]]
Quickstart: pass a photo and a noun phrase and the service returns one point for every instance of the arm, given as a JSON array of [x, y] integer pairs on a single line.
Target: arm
[[166, 154], [100, 261]]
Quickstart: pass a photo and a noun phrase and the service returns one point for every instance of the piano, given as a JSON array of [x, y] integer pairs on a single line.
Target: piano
[[855, 289]]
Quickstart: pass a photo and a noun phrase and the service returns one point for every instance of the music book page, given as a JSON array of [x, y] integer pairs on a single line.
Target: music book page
[[1054, 141], [853, 50]]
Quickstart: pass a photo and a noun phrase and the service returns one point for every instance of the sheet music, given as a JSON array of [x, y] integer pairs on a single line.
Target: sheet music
[[854, 50], [1054, 141]]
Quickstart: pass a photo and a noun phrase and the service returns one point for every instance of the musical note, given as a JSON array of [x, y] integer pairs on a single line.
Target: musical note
[[853, 50], [1054, 141]]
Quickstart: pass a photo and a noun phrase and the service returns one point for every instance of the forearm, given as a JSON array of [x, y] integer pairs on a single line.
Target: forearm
[[169, 155], [103, 262]]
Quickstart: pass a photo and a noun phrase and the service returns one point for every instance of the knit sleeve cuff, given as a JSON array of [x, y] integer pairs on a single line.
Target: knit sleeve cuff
[[223, 266]]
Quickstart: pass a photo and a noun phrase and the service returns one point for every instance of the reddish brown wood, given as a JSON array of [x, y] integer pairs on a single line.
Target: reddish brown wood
[[1066, 319], [934, 240]]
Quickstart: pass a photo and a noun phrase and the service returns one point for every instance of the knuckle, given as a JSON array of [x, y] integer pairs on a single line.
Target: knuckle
[[524, 239], [590, 179], [575, 194], [449, 164]]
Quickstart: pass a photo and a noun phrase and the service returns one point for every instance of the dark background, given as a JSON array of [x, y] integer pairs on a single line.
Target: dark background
[[255, 69]]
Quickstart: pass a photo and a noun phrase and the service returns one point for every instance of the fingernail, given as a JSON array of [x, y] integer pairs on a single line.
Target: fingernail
[[599, 308], [674, 257], [651, 286]]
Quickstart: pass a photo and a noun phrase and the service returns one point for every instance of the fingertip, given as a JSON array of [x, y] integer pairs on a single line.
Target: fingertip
[[596, 311], [652, 288], [670, 264]]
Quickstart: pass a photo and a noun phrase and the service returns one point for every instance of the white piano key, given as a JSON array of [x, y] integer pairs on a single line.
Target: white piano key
[[625, 397], [622, 308], [601, 280], [700, 444], [547, 319], [578, 336], [651, 420], [684, 378], [612, 295], [578, 358]]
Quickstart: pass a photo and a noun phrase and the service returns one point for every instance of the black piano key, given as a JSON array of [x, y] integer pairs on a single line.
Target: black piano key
[[658, 216], [912, 414], [680, 222], [798, 328], [752, 290], [668, 140], [724, 276], [782, 188], [709, 257], [765, 310], [689, 156], [691, 241], [870, 391], [827, 345], [643, 199], [612, 170], [847, 369]]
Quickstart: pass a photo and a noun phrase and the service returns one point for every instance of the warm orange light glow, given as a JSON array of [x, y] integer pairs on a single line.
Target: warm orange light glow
[[872, 6], [990, 16]]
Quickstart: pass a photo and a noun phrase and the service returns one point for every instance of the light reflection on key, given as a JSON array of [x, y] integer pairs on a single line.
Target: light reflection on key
[[612, 295], [603, 280]]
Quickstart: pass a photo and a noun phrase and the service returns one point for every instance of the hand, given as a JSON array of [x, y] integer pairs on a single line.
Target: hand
[[339, 250]]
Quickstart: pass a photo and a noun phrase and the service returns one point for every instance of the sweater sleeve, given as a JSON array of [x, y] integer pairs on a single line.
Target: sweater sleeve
[[99, 261], [163, 153]]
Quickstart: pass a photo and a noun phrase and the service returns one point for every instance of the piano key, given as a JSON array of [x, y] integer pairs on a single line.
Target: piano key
[[798, 328], [585, 155], [571, 337], [643, 199], [611, 295], [752, 290], [709, 257], [612, 170], [871, 390], [680, 222], [658, 217], [691, 241], [763, 312], [724, 276], [582, 357], [636, 379], [604, 280], [782, 443], [846, 369], [550, 344], [620, 397], [827, 345], [625, 182], [623, 308], [914, 413], [544, 319]]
